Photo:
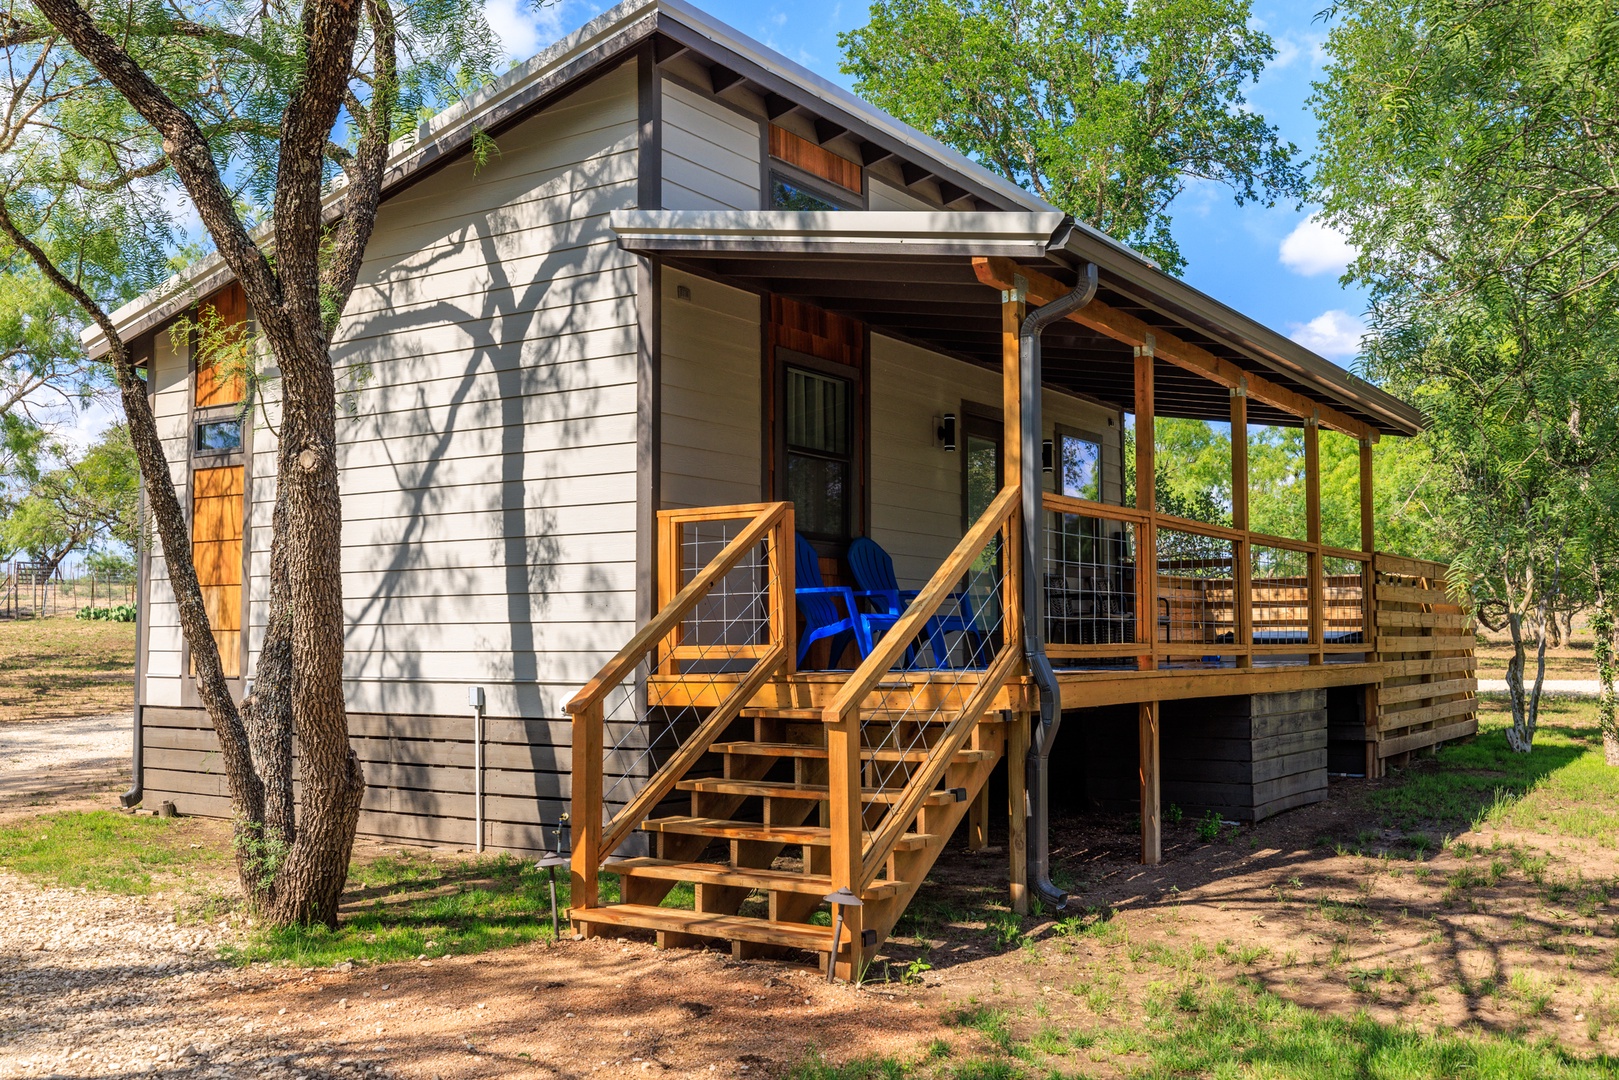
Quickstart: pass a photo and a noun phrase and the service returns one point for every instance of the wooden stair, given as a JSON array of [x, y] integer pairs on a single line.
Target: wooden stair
[[754, 847]]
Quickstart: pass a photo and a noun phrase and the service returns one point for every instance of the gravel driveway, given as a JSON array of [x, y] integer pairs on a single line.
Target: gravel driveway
[[45, 755], [94, 985]]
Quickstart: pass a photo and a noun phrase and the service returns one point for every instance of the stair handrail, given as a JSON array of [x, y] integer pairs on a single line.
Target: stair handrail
[[842, 716], [594, 840]]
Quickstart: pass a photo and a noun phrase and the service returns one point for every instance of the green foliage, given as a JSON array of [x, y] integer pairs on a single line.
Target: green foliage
[[1208, 827], [117, 613], [1104, 108], [1466, 151], [84, 500]]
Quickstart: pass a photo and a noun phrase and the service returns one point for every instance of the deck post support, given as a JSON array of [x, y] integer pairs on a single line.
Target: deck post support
[[1151, 831], [585, 816], [1312, 511], [847, 827], [1017, 833], [1242, 575], [1147, 502]]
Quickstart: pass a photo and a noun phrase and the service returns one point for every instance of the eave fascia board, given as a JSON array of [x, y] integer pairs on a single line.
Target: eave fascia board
[[1015, 234]]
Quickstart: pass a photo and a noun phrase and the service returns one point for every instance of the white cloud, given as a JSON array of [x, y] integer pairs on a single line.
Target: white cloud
[[1314, 247], [515, 23], [1333, 334]]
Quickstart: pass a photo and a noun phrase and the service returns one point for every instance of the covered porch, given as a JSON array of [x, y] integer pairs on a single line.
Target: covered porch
[[1007, 588]]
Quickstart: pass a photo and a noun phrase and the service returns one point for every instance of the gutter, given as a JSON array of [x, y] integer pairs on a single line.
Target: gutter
[[1042, 735]]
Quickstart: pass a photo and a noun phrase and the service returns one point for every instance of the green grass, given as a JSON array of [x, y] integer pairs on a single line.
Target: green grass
[[109, 852], [1231, 1033], [1560, 788], [411, 906]]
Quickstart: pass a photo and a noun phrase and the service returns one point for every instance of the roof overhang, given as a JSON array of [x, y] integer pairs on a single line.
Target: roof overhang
[[910, 275]]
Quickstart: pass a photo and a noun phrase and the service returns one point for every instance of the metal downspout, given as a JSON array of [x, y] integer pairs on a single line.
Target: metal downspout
[[1043, 733]]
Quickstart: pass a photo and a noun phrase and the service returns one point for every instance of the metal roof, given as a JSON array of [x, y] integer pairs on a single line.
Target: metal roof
[[1018, 229]]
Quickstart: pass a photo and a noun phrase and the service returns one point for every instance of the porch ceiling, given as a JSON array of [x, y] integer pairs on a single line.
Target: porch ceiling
[[938, 303]]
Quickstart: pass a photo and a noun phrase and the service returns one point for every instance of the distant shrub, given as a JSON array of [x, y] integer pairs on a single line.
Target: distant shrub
[[121, 613]]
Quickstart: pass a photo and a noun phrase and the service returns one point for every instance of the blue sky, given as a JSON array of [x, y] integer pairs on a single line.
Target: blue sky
[[1272, 264]]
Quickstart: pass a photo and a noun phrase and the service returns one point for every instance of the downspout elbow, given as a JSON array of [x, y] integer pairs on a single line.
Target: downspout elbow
[[1042, 734]]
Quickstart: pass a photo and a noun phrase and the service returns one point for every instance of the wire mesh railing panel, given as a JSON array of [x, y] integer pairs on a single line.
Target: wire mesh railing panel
[[1344, 600], [724, 634], [1280, 589], [966, 636], [1090, 583], [1196, 594], [735, 613]]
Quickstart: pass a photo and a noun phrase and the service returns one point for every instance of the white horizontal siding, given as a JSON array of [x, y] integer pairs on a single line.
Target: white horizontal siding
[[710, 153], [711, 406]]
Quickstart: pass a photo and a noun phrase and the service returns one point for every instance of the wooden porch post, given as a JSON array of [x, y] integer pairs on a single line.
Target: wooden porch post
[[1368, 544], [1151, 833], [1012, 312], [1312, 511], [1242, 576], [1146, 501], [1017, 737], [585, 813]]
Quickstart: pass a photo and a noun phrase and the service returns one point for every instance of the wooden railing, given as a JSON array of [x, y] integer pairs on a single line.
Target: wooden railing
[[1425, 640], [1214, 594], [909, 714], [670, 642]]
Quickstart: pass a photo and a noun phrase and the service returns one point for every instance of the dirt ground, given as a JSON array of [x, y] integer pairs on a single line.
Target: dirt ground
[[1497, 930]]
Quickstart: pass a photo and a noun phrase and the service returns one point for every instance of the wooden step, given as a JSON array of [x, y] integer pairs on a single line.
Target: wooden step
[[704, 924], [784, 790], [725, 829], [743, 877], [797, 750]]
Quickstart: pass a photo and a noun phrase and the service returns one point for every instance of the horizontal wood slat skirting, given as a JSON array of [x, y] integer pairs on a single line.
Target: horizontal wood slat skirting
[[418, 771], [1429, 690]]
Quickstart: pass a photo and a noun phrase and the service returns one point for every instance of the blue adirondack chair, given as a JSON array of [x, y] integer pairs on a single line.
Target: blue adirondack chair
[[874, 573], [830, 611]]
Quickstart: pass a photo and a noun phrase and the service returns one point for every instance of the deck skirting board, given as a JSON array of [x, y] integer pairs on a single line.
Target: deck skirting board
[[418, 772]]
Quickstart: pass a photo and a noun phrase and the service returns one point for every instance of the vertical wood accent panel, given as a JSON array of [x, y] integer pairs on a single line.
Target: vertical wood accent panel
[[230, 306], [817, 161], [216, 549]]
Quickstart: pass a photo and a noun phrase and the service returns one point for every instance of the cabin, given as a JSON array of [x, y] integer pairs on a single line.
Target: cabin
[[735, 480]]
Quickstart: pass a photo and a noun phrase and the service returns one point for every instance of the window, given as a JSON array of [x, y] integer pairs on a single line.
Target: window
[[788, 194], [219, 436], [820, 451], [1079, 466]]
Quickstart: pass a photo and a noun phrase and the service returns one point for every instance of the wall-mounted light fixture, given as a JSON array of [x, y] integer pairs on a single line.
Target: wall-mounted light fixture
[[947, 431], [1047, 453]]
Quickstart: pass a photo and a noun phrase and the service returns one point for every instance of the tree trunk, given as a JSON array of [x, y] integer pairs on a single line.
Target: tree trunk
[[1602, 640], [1525, 705]]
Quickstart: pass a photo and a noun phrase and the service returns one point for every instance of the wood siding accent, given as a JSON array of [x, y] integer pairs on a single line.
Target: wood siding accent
[[799, 152], [711, 393], [216, 552], [710, 153], [229, 306], [818, 333]]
